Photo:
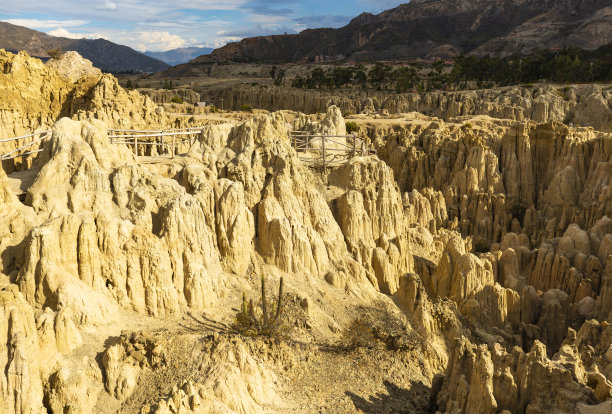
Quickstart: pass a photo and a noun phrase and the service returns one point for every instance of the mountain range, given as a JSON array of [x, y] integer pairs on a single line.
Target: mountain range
[[181, 55], [106, 55], [440, 28]]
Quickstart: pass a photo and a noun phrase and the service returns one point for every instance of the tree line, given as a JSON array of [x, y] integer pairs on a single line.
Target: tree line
[[566, 65]]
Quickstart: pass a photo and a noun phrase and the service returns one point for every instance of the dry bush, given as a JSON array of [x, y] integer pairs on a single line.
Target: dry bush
[[55, 53], [380, 326]]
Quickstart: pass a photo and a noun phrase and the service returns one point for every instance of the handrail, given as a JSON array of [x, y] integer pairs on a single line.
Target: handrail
[[308, 142], [24, 136], [10, 156]]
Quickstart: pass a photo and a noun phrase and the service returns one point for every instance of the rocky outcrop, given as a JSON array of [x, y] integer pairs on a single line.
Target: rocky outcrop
[[495, 232], [232, 381], [20, 380], [491, 379], [35, 95], [161, 96], [580, 105], [73, 67]]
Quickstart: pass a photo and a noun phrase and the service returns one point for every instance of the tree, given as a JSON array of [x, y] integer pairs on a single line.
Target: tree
[[404, 78], [380, 74], [277, 75]]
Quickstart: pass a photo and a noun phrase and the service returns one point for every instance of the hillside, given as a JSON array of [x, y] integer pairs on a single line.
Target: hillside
[[181, 55], [428, 28], [105, 55]]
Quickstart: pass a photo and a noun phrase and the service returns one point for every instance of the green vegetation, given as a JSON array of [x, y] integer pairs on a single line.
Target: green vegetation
[[176, 99], [128, 84], [351, 127], [278, 75], [246, 108], [566, 65], [561, 66], [213, 109], [265, 319], [167, 84]]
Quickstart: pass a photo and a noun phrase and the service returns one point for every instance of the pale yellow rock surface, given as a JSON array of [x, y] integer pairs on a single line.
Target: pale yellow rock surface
[[464, 268]]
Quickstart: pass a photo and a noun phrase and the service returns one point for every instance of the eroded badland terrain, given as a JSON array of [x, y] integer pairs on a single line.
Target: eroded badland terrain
[[462, 266]]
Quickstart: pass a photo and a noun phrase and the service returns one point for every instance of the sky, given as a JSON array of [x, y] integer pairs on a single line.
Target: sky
[[169, 24]]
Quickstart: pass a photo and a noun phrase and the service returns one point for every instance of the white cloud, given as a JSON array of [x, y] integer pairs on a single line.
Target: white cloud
[[155, 41], [107, 6], [46, 24], [61, 32]]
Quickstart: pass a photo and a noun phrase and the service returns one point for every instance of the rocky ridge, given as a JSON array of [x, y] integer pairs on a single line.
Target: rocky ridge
[[480, 248], [580, 105], [433, 28]]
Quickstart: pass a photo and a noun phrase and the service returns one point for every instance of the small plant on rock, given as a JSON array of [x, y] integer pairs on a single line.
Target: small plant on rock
[[246, 108], [351, 127], [265, 319], [55, 53], [176, 99]]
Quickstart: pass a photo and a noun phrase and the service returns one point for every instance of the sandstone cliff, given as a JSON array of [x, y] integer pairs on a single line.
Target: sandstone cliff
[[468, 263], [584, 105]]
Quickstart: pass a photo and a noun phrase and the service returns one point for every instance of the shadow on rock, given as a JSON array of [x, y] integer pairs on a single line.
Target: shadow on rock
[[395, 400]]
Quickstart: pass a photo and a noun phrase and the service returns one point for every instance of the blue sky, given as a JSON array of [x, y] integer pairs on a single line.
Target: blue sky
[[168, 24]]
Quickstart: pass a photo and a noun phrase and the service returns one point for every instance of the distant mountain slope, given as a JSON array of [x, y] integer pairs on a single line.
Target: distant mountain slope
[[438, 28], [181, 55], [108, 56]]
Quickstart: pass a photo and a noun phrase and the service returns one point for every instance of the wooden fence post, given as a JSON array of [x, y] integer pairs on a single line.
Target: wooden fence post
[[323, 147]]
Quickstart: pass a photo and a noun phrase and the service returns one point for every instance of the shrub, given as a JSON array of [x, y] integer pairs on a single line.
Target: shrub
[[176, 99], [246, 108], [263, 319], [466, 126], [128, 84], [480, 245], [189, 110], [55, 53], [351, 127], [528, 85], [213, 109], [376, 326]]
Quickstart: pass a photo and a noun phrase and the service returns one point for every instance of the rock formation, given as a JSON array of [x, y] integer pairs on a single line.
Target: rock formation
[[469, 261], [584, 105]]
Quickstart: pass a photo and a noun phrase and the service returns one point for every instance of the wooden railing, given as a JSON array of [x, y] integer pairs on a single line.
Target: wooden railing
[[328, 150], [168, 139], [16, 153], [312, 148]]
